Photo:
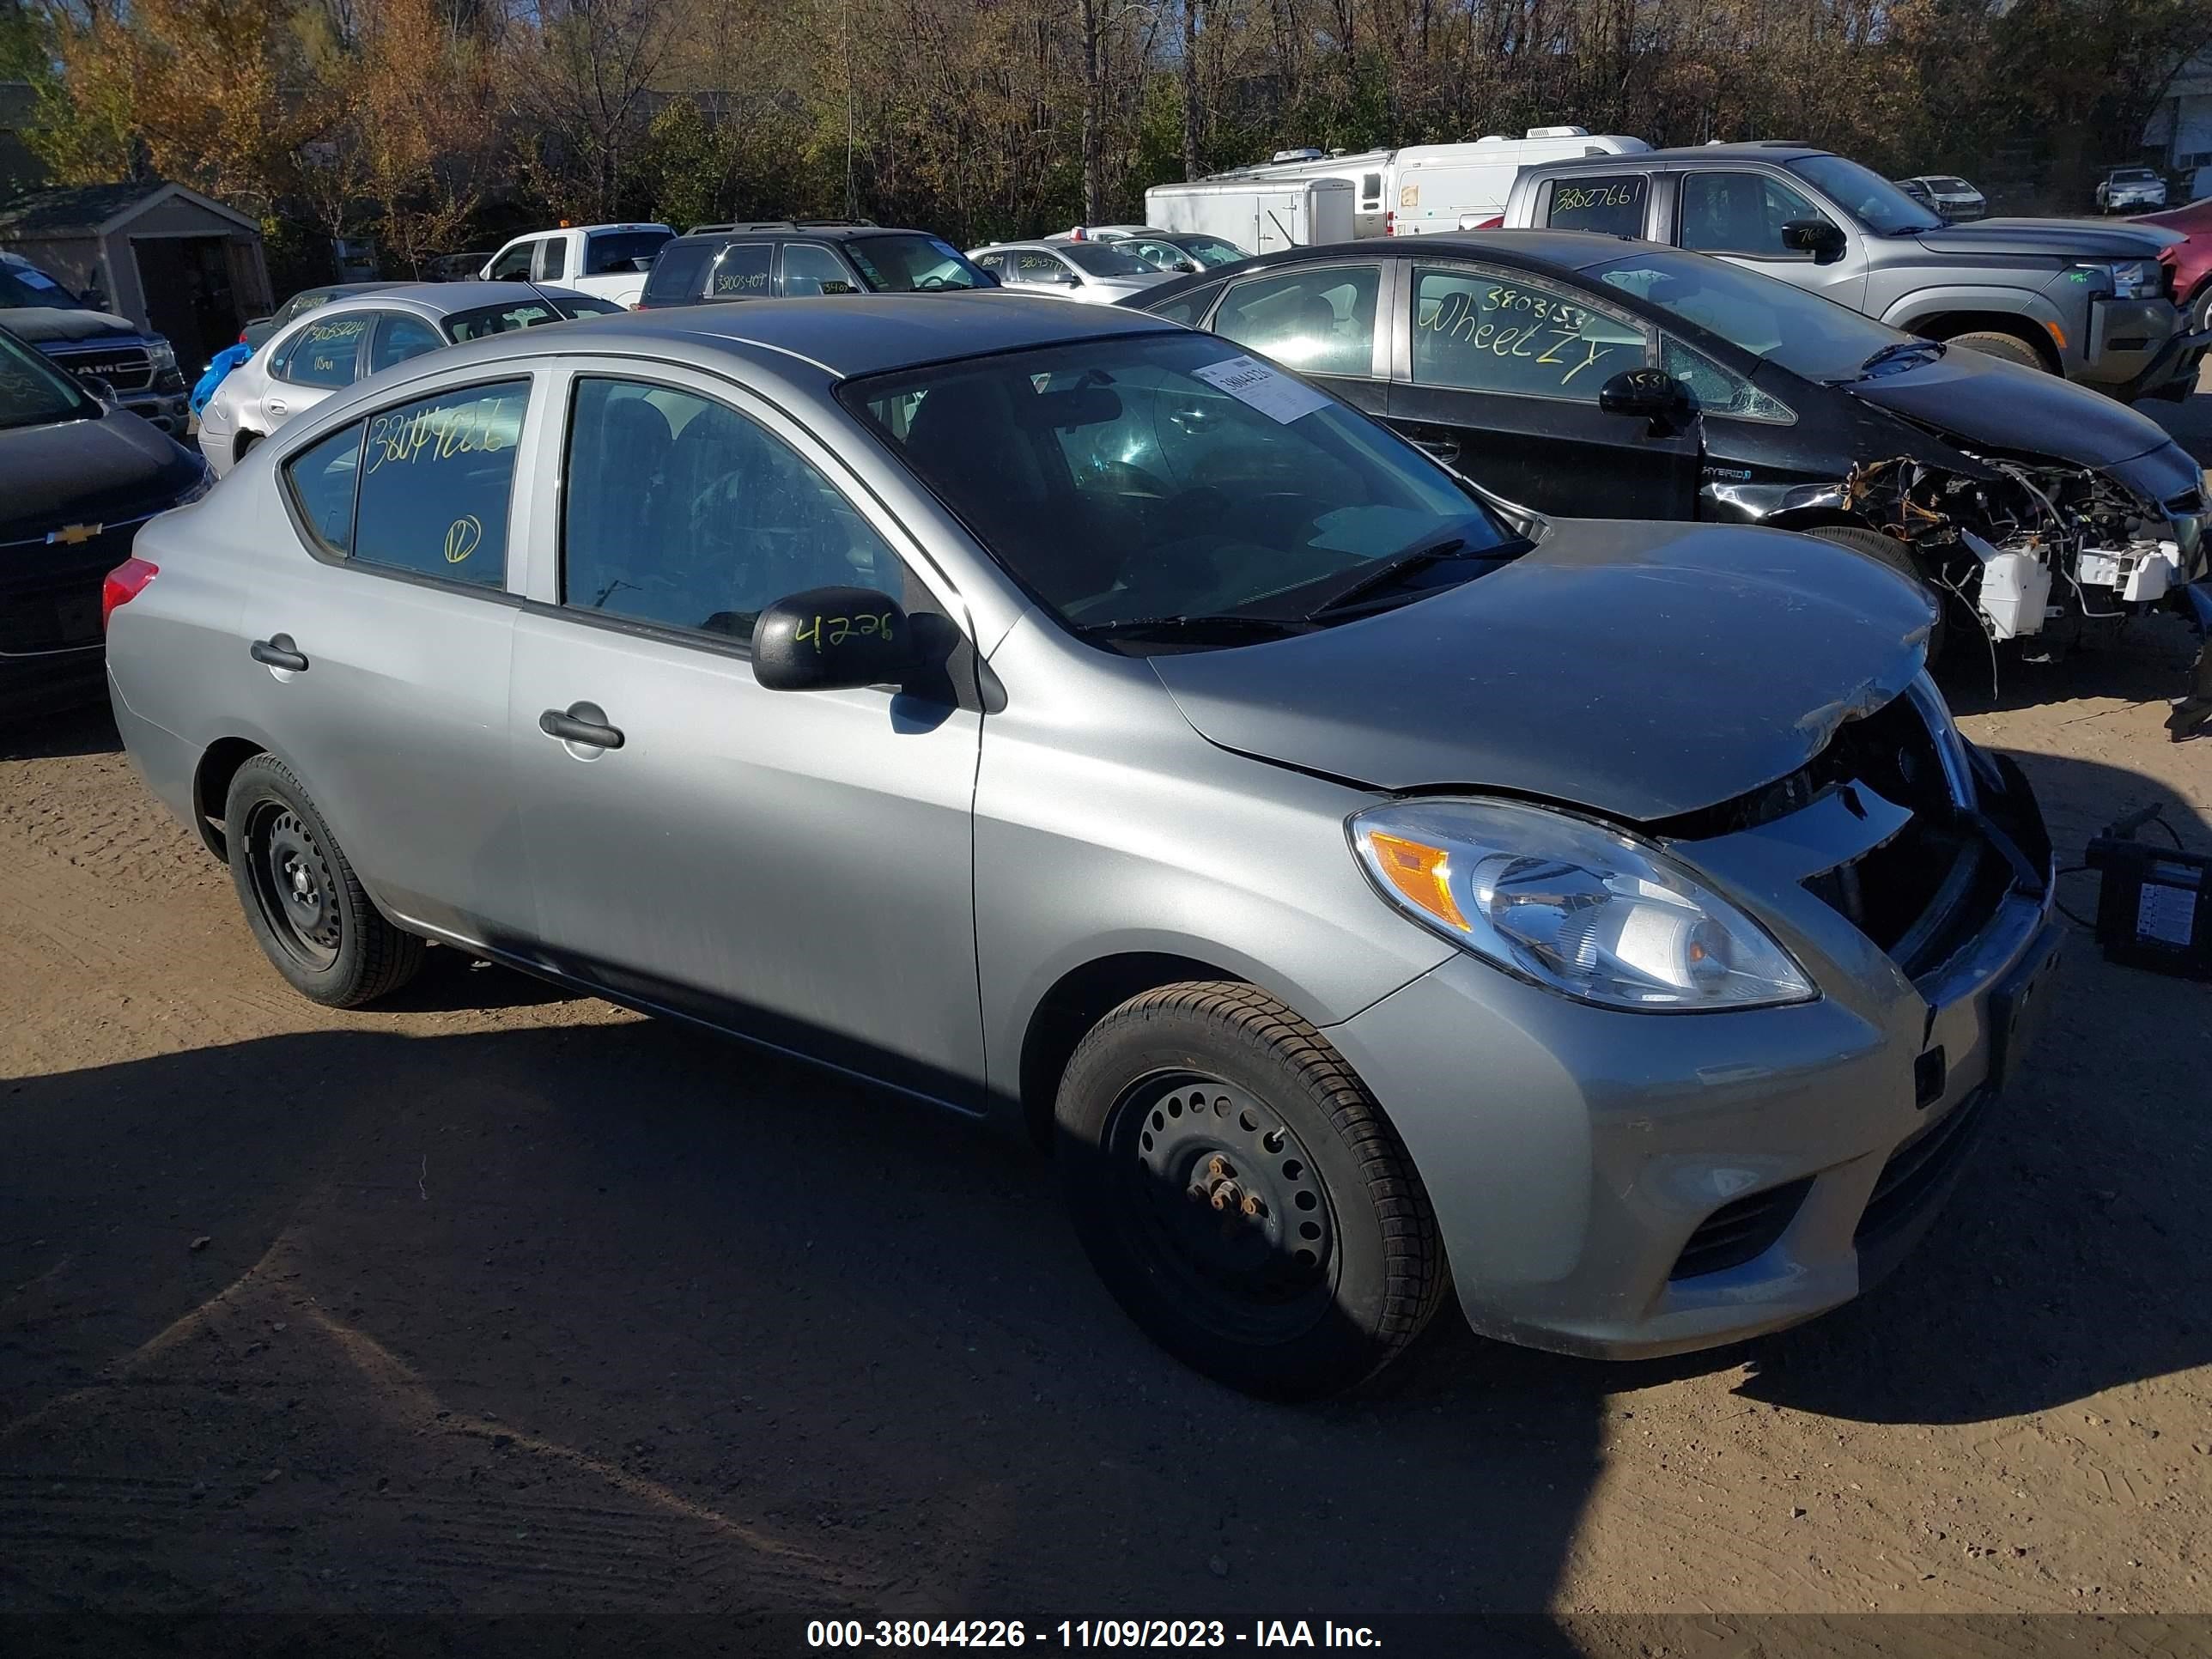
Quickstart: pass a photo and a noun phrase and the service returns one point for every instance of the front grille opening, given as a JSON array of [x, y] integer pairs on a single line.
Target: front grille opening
[[1741, 1231], [1917, 1171]]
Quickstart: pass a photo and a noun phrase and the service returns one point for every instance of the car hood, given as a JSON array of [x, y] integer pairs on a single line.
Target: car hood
[[1636, 670], [38, 326], [2066, 239], [114, 468], [1990, 405]]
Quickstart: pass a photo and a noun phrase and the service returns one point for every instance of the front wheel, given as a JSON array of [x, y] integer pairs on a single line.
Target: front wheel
[[1888, 549], [307, 908], [2006, 347], [1242, 1195]]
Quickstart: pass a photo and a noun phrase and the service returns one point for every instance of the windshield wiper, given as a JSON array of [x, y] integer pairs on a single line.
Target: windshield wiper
[[1890, 353], [1369, 578], [1225, 624]]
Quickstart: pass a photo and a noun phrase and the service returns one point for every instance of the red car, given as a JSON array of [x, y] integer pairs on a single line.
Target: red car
[[2191, 259]]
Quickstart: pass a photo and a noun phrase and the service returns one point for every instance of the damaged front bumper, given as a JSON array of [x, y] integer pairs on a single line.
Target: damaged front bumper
[[1625, 1185]]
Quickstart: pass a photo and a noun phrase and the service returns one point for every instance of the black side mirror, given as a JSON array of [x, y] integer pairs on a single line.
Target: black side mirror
[[1649, 394], [831, 638], [1823, 240], [100, 390]]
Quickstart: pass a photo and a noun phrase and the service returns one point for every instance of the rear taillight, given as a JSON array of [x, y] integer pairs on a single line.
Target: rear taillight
[[124, 583], [1390, 221]]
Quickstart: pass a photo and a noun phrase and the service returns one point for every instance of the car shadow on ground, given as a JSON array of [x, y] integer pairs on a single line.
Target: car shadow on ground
[[2150, 666]]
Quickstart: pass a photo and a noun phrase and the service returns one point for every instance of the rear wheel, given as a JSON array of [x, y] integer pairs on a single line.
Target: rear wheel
[[1242, 1194], [1888, 549], [308, 909], [2009, 348]]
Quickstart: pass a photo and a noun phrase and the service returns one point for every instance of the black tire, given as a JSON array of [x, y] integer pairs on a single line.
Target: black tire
[[2008, 348], [301, 898], [1184, 1108], [1888, 549], [2200, 310]]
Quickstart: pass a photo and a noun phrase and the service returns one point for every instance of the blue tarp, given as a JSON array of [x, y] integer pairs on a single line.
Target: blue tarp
[[223, 362]]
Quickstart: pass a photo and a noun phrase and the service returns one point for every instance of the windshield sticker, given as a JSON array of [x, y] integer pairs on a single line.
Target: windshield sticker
[[33, 278], [1271, 391]]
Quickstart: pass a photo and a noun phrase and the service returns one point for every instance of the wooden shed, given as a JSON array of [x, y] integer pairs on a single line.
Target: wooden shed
[[168, 258]]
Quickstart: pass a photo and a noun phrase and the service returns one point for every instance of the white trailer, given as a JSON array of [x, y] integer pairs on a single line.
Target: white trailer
[[1421, 188], [1258, 215]]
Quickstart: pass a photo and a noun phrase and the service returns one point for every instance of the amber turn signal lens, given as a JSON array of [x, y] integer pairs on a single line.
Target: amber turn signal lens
[[1421, 873]]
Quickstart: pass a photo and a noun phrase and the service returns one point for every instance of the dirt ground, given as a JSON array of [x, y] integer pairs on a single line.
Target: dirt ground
[[502, 1302]]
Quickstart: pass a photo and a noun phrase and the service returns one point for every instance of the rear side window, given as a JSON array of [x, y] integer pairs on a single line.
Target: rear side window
[[678, 274], [436, 476], [1611, 204], [1187, 309], [553, 261], [322, 352], [619, 252], [741, 273], [322, 480], [398, 338]]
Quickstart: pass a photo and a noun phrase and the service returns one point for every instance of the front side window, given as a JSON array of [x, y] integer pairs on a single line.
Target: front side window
[[1742, 213], [1187, 309], [1526, 339], [1318, 322], [1612, 204], [679, 274], [1808, 335], [324, 352], [1164, 476], [810, 269], [513, 264], [398, 338], [436, 479], [682, 511], [1720, 391], [741, 271]]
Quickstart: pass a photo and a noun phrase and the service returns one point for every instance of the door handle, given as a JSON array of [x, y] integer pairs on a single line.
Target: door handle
[[580, 722], [279, 652], [276, 405]]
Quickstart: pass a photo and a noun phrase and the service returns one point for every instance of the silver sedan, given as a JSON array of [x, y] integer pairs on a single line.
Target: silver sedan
[[1369, 892], [325, 349]]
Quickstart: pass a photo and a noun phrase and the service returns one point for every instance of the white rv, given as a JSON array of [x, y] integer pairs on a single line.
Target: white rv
[[1419, 188], [1260, 214]]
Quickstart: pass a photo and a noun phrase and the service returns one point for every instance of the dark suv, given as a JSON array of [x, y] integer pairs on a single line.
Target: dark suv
[[786, 258]]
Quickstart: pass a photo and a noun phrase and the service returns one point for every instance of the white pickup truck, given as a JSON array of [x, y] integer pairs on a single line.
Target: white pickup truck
[[610, 261]]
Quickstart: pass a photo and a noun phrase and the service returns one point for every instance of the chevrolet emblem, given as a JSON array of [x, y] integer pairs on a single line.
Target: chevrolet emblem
[[74, 535]]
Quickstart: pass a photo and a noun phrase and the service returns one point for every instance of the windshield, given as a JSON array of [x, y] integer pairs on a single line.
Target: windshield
[[33, 393], [1165, 477], [2132, 175], [487, 320], [1868, 197], [914, 264], [1951, 186], [1101, 260], [1803, 333], [1212, 249], [24, 284]]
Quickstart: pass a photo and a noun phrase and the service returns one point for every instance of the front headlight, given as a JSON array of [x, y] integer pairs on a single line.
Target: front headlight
[[1578, 907], [163, 354]]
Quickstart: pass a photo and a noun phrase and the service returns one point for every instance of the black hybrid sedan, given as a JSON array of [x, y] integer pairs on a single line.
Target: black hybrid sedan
[[1596, 376]]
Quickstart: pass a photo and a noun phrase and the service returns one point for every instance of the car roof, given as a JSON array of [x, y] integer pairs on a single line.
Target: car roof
[[1765, 150], [845, 335], [827, 230], [438, 301], [1567, 250]]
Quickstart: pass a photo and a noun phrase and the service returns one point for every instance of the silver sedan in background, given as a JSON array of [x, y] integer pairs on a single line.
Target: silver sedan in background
[[1370, 892], [324, 349], [1096, 273]]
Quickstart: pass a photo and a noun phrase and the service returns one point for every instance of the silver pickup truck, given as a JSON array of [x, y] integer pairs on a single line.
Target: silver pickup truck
[[2079, 298]]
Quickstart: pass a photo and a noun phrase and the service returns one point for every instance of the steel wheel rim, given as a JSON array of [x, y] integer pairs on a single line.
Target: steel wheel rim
[[294, 886], [1219, 1200]]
